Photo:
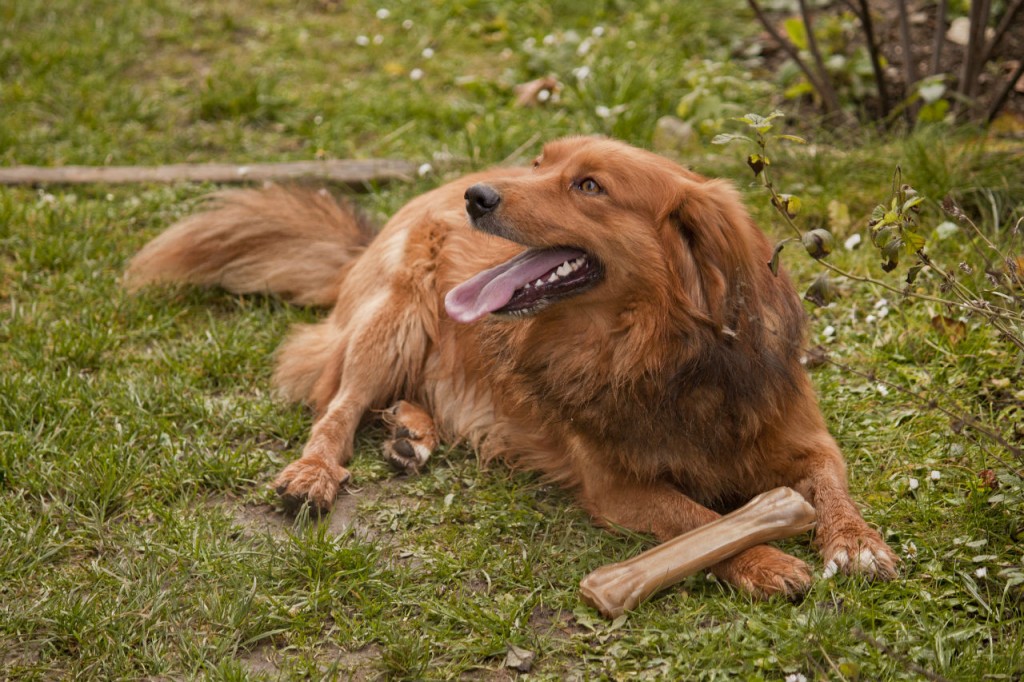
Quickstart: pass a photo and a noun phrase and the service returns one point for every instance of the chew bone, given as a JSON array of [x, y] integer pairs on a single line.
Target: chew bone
[[774, 515]]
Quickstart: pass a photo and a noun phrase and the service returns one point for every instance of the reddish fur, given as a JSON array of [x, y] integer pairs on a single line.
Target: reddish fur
[[668, 393]]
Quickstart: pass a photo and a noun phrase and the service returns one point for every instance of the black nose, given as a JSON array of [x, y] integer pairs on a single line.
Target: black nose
[[481, 199]]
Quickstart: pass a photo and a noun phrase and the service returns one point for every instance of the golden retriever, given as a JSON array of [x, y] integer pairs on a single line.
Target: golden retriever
[[606, 318]]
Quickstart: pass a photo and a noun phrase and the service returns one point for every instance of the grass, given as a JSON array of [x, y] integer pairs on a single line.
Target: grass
[[138, 538]]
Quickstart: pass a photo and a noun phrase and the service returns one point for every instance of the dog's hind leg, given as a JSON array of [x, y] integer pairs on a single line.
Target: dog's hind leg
[[413, 436]]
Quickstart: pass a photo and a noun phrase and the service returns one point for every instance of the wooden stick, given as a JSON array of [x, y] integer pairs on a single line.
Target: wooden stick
[[347, 172], [776, 514]]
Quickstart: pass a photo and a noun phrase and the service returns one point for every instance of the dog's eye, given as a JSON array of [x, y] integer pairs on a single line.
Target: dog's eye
[[589, 186]]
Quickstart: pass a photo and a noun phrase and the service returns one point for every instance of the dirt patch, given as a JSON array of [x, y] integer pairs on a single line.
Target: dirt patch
[[263, 519], [334, 662]]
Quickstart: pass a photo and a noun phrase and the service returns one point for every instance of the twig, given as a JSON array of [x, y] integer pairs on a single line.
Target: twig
[[828, 92], [863, 12], [1004, 93], [354, 173], [793, 54], [1004, 25], [909, 67], [939, 39], [896, 656], [979, 14]]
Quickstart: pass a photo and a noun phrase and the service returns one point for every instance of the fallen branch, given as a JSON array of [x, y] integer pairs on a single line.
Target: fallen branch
[[354, 173]]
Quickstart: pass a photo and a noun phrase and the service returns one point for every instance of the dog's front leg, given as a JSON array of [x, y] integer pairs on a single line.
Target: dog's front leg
[[614, 499], [318, 474], [846, 542]]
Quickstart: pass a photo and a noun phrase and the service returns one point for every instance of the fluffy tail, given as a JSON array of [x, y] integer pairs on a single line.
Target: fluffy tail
[[292, 243]]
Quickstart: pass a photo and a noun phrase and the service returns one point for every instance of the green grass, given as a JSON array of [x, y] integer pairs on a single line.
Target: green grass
[[138, 436]]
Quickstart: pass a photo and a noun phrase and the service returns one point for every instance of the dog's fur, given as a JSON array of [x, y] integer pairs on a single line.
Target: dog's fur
[[669, 391]]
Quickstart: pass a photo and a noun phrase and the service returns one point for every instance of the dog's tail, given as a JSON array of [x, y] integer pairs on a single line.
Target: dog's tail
[[292, 243]]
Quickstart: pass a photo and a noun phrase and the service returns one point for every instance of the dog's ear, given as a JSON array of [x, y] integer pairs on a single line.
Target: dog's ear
[[724, 258]]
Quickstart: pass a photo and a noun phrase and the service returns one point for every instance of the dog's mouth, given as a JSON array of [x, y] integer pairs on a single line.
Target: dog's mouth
[[524, 285]]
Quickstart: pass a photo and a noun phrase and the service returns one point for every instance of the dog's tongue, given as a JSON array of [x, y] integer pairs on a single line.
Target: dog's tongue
[[492, 289]]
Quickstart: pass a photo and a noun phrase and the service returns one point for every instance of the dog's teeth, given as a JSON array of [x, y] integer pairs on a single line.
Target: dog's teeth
[[553, 277], [563, 270], [528, 286], [539, 282]]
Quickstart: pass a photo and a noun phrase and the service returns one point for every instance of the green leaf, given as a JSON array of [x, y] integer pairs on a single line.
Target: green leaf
[[726, 138], [911, 203], [792, 138], [796, 31], [913, 272], [799, 89], [913, 241]]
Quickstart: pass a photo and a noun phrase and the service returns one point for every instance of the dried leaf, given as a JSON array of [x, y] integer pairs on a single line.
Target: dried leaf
[[821, 292], [520, 660], [773, 264], [953, 330], [818, 243], [838, 216], [757, 163]]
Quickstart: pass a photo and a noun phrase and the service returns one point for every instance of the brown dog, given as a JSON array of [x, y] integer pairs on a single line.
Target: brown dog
[[606, 318]]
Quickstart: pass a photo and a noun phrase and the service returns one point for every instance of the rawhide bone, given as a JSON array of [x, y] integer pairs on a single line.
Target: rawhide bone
[[774, 515]]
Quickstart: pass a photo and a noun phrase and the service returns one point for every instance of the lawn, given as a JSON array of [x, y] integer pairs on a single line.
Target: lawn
[[138, 536]]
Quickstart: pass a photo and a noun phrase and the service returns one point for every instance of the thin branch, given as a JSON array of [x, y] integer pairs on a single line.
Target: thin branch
[[355, 173], [896, 656], [909, 66], [792, 53], [863, 12], [829, 92], [979, 14], [939, 39], [1004, 25], [1004, 93]]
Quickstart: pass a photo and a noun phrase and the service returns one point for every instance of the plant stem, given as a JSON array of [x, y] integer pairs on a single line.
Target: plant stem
[[794, 55], [828, 91], [939, 39]]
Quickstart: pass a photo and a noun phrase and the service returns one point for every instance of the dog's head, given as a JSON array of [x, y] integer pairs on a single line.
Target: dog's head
[[597, 215]]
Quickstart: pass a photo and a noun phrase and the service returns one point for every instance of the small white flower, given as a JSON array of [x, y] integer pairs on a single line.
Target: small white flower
[[602, 111], [912, 483], [597, 32], [416, 74], [584, 47], [796, 677], [871, 319], [882, 389], [318, 119], [407, 24], [853, 241], [981, 572], [529, 43], [881, 303], [383, 13], [829, 332], [946, 229], [427, 52], [110, 197], [362, 41], [883, 312], [424, 169], [582, 73], [934, 475], [549, 40], [544, 95], [378, 39]]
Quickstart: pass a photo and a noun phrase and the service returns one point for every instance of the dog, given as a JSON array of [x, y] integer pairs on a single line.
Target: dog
[[605, 317]]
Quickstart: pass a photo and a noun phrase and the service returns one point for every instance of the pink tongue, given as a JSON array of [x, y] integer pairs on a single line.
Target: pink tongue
[[492, 289]]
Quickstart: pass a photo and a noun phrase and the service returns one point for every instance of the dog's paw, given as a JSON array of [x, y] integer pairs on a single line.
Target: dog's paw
[[764, 572], [863, 553], [406, 454], [311, 481], [413, 437]]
